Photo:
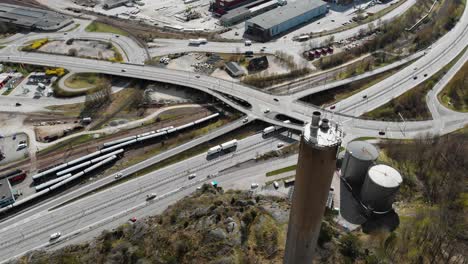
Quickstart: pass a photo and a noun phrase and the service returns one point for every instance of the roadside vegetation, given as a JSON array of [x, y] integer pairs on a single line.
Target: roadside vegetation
[[105, 28], [393, 37], [455, 94], [282, 170], [84, 80], [329, 97], [412, 104], [263, 80], [433, 201]]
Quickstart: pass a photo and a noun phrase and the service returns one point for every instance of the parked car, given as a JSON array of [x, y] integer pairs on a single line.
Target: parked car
[[276, 184], [266, 111], [254, 185], [55, 235], [280, 145], [332, 107]]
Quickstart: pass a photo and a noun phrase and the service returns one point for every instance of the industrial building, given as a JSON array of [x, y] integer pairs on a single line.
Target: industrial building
[[368, 190], [244, 12], [6, 194], [258, 64], [109, 4], [380, 188], [315, 168], [234, 69], [221, 7], [33, 18], [359, 157], [282, 19]]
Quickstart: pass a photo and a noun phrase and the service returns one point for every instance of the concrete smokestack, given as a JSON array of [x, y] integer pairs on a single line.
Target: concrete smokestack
[[315, 167]]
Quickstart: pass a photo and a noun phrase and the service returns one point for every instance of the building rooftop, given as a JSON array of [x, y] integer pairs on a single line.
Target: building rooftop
[[285, 13], [362, 150], [234, 68], [5, 190], [385, 176], [33, 17]]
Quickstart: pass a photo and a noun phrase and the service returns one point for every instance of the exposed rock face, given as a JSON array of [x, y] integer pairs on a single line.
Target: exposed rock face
[[208, 227]]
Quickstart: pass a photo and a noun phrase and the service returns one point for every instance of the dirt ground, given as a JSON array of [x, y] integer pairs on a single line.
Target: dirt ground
[[174, 117], [84, 48]]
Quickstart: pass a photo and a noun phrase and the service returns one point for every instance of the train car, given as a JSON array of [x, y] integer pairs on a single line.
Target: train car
[[118, 141], [164, 129]]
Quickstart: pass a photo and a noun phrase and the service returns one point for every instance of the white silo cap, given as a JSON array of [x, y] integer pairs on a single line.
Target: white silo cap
[[363, 150], [385, 176]]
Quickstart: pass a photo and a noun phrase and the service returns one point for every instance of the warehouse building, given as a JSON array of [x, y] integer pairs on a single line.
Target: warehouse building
[[33, 18], [282, 19], [6, 194], [242, 13], [109, 4], [234, 69], [221, 7]]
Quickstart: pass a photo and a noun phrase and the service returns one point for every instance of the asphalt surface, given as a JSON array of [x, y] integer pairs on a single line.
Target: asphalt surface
[[117, 204]]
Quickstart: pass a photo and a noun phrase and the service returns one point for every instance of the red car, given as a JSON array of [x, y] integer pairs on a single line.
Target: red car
[[133, 219]]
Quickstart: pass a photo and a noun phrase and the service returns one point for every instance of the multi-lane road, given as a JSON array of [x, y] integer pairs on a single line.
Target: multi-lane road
[[84, 218]]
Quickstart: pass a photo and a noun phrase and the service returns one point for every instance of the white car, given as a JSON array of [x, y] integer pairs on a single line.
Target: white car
[[118, 176], [280, 145], [276, 184], [254, 185], [55, 235], [191, 176], [266, 111], [245, 120]]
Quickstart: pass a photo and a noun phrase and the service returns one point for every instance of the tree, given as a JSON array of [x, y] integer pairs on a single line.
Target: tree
[[72, 52]]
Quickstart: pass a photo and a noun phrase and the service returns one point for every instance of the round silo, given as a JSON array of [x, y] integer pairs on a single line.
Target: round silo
[[380, 187], [359, 156]]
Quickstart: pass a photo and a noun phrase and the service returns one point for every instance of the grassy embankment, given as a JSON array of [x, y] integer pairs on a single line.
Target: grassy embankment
[[330, 97], [455, 95], [101, 27], [84, 80], [412, 104]]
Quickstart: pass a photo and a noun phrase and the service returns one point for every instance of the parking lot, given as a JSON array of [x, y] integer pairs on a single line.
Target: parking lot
[[35, 85], [11, 149]]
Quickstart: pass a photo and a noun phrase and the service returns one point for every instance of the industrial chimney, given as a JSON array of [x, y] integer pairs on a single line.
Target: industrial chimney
[[314, 173]]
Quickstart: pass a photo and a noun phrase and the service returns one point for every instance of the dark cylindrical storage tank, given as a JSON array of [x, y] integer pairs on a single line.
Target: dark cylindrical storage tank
[[359, 156], [380, 188]]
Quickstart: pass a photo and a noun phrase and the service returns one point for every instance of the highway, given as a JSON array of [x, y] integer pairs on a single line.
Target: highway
[[85, 218], [119, 203]]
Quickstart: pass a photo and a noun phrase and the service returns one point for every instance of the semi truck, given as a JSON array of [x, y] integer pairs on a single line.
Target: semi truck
[[224, 146]]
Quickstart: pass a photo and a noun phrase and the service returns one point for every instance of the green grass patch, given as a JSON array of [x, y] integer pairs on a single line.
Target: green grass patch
[[455, 95], [282, 170], [101, 27], [83, 80], [280, 179]]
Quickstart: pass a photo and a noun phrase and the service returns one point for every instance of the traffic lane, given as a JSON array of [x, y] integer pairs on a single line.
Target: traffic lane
[[104, 181], [226, 180], [68, 213]]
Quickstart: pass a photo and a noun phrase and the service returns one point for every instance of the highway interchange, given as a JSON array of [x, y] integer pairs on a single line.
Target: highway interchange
[[87, 217]]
